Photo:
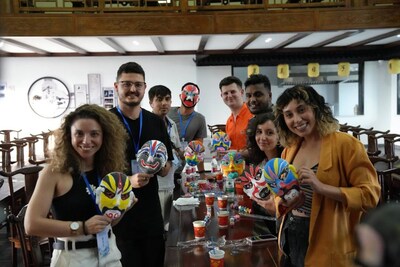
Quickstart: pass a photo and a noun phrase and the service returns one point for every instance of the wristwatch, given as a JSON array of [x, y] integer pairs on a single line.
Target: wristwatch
[[74, 226]]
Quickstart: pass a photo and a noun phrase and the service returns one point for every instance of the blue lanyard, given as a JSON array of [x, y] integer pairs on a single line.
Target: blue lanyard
[[183, 129], [89, 188], [135, 144], [169, 126]]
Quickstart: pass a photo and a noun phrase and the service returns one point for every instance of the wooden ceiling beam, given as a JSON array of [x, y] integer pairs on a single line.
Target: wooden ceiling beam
[[113, 44], [336, 38], [249, 39], [158, 44], [291, 40], [376, 38], [68, 45], [202, 44], [24, 46]]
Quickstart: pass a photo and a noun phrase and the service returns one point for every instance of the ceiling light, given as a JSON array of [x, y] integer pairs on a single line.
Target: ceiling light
[[135, 43], [1, 43], [398, 36], [268, 40]]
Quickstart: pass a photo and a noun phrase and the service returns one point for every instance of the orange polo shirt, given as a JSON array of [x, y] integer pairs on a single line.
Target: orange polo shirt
[[236, 130]]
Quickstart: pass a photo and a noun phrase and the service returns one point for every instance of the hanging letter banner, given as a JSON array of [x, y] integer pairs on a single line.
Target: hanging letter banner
[[394, 66], [313, 70], [343, 69], [283, 71], [252, 69]]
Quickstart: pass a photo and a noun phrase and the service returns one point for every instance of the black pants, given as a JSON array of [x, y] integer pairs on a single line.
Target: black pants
[[146, 252], [296, 236]]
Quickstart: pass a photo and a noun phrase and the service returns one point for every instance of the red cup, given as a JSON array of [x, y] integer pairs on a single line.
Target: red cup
[[199, 228], [223, 202], [209, 197], [239, 188], [223, 219], [216, 257]]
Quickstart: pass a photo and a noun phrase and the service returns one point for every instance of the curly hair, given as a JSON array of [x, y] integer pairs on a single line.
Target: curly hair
[[325, 122], [111, 155], [256, 155]]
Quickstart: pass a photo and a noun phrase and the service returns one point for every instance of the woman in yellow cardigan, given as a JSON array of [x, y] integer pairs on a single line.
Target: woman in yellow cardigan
[[335, 174]]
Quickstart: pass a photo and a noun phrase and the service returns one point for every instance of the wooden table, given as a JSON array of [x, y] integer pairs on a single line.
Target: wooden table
[[181, 229]]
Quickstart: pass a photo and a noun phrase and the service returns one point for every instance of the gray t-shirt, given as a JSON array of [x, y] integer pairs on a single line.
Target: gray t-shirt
[[191, 127]]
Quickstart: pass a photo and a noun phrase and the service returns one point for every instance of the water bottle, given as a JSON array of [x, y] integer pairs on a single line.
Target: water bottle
[[214, 166]]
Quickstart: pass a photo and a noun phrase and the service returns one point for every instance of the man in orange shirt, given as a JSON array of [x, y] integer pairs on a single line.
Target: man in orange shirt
[[232, 95]]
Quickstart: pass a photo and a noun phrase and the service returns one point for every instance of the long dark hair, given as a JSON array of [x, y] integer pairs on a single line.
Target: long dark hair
[[256, 155]]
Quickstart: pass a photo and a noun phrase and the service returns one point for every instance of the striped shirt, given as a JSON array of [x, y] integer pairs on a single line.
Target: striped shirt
[[308, 192]]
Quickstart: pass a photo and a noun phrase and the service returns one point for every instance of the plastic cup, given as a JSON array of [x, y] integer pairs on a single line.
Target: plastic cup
[[223, 202], [199, 228], [216, 257], [239, 188], [223, 219], [209, 199]]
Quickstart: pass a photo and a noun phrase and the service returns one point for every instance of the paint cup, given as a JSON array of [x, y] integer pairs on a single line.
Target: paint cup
[[223, 202], [199, 228], [216, 257], [239, 188], [223, 219], [209, 197]]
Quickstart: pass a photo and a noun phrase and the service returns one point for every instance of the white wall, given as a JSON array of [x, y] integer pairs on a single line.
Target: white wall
[[172, 71]]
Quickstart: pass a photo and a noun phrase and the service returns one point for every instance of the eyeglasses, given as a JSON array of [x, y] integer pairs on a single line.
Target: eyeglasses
[[128, 85]]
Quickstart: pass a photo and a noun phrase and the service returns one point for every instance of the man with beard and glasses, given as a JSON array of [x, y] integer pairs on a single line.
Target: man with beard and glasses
[[258, 94], [191, 124], [140, 234]]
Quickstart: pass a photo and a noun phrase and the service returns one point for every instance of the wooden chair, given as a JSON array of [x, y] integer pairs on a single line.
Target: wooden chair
[[389, 146], [7, 135], [381, 164], [30, 175], [391, 182], [35, 250], [358, 131], [216, 128], [373, 136], [346, 127]]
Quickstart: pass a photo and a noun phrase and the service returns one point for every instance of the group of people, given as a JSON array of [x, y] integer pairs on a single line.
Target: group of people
[[334, 171]]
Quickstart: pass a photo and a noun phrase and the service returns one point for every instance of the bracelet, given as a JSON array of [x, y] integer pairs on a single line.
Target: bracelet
[[84, 229]]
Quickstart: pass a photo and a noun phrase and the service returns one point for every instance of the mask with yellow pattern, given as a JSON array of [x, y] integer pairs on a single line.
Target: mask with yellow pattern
[[114, 194]]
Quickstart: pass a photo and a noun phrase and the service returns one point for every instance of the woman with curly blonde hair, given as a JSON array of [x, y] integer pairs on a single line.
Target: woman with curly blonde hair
[[335, 174], [89, 144]]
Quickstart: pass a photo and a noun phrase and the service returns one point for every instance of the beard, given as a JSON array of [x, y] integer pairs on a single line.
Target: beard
[[131, 104]]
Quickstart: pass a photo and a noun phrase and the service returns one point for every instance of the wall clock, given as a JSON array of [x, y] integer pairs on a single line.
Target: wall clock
[[48, 97]]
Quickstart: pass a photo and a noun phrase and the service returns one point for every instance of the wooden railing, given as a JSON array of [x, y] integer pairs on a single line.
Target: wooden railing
[[167, 17], [129, 6]]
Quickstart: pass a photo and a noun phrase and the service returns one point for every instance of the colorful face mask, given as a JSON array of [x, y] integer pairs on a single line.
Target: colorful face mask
[[281, 178], [254, 184], [232, 164], [152, 156], [190, 95], [220, 142], [114, 194], [194, 153]]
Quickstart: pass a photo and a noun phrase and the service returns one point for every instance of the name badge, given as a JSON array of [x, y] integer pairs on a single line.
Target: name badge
[[102, 242]]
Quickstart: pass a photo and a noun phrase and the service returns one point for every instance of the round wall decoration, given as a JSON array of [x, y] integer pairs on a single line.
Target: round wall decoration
[[48, 97]]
